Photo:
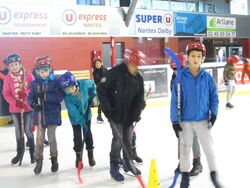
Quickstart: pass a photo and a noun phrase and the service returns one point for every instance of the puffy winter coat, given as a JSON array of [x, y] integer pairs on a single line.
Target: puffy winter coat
[[9, 93], [199, 97], [79, 107], [121, 95], [51, 102]]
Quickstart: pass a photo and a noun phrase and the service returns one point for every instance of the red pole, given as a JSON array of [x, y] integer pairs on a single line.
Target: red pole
[[113, 51]]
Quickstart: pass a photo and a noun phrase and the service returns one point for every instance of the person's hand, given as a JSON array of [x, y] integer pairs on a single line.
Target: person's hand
[[36, 106], [19, 104], [177, 128], [212, 121], [225, 82]]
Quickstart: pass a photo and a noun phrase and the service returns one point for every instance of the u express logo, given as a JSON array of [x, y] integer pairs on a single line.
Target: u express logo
[[154, 19], [69, 17], [5, 15]]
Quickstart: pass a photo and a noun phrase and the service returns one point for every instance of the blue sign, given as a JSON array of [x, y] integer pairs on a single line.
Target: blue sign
[[190, 24]]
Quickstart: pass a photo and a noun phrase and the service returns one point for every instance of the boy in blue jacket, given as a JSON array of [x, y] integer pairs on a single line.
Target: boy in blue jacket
[[45, 97], [199, 108], [79, 96]]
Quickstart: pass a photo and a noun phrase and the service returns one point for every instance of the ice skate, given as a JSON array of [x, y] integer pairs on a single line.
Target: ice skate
[[114, 172]]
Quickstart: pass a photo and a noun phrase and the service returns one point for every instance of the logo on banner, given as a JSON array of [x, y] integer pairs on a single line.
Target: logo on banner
[[69, 17], [5, 15], [168, 19]]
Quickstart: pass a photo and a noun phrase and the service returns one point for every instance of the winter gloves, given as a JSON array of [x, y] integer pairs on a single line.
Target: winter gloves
[[212, 121], [225, 82], [36, 106], [177, 128]]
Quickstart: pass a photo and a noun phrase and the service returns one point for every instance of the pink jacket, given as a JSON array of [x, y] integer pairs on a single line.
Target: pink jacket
[[9, 93]]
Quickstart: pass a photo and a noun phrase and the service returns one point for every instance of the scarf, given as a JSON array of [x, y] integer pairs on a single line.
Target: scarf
[[19, 83]]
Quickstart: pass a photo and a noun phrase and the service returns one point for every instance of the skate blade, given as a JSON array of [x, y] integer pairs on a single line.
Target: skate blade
[[100, 122], [122, 182], [137, 162]]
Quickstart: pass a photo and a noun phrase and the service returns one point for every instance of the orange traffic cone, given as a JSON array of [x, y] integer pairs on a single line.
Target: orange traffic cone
[[153, 180]]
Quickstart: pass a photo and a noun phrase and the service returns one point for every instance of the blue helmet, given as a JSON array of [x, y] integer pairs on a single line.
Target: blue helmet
[[67, 79]]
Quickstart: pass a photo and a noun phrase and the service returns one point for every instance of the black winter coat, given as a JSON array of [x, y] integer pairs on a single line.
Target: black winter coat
[[98, 74], [121, 95]]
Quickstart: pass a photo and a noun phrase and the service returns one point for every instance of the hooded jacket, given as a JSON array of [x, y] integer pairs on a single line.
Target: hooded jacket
[[79, 107], [199, 97]]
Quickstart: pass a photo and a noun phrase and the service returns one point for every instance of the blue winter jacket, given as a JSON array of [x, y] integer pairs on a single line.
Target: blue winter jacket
[[199, 97], [51, 102], [79, 107]]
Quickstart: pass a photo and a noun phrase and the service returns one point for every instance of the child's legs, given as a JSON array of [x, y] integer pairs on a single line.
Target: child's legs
[[17, 121], [77, 138], [204, 135], [51, 132], [186, 142], [88, 136], [28, 125], [196, 147]]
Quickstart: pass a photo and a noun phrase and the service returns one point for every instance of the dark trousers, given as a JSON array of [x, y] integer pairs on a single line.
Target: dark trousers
[[81, 133], [122, 136]]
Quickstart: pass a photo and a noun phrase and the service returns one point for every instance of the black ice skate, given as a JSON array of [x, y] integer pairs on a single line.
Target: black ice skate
[[136, 157], [78, 158], [197, 167], [128, 165], [114, 172], [99, 119], [91, 158], [214, 178], [54, 164], [39, 166], [185, 180], [229, 106]]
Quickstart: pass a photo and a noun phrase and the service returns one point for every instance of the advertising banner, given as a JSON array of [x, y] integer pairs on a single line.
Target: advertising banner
[[221, 26], [84, 21], [190, 24], [156, 78], [153, 23], [24, 21]]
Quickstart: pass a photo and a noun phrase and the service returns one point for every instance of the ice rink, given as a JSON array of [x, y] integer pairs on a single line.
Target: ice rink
[[155, 140]]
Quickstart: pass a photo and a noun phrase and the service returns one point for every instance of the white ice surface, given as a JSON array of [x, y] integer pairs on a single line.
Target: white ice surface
[[155, 140]]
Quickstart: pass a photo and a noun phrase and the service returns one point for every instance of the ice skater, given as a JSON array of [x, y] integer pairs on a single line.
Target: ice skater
[[197, 166], [121, 95], [79, 96], [199, 109], [45, 98]]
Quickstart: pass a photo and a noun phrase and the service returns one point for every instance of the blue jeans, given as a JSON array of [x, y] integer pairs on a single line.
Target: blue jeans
[[27, 119]]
